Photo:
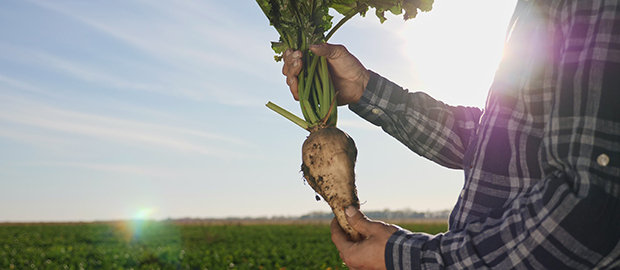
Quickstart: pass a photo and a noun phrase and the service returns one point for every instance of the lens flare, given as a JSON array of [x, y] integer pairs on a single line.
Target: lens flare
[[144, 213], [133, 228]]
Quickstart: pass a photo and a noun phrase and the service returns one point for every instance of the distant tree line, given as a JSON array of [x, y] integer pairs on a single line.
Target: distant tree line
[[380, 215], [386, 214]]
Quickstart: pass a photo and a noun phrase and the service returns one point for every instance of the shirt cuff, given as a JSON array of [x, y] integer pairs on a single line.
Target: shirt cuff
[[380, 98], [402, 250]]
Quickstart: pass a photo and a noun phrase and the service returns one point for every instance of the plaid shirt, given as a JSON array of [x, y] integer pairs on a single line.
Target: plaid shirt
[[542, 163]]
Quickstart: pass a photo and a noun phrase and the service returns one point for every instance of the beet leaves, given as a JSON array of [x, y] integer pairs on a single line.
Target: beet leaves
[[301, 23]]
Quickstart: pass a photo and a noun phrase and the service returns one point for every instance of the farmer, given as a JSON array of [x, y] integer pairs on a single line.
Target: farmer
[[542, 163]]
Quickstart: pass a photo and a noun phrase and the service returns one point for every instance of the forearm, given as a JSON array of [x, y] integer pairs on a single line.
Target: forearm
[[551, 228], [426, 126]]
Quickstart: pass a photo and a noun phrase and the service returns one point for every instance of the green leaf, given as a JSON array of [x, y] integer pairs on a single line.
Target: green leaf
[[265, 6], [344, 7], [279, 48], [302, 23]]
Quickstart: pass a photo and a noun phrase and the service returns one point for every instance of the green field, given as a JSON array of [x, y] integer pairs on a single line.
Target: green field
[[166, 245]]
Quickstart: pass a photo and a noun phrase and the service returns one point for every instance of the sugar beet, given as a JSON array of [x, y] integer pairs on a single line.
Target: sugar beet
[[329, 156]]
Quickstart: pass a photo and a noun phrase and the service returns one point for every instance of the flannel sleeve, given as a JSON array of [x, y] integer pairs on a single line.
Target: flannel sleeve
[[551, 228], [428, 127], [570, 219]]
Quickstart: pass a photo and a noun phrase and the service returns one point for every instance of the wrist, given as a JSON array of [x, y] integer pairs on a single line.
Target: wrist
[[364, 79]]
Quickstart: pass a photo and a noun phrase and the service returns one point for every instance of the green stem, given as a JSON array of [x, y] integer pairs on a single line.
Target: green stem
[[311, 71], [300, 91], [312, 118], [304, 91], [333, 116], [326, 96], [288, 115], [317, 94], [344, 20]]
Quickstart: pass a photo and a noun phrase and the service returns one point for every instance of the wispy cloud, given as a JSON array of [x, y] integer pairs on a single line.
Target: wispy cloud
[[80, 70], [35, 114], [198, 54], [149, 171], [169, 84], [13, 83], [25, 136], [204, 29]]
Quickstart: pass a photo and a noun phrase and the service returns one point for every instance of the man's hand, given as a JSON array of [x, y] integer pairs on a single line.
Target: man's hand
[[348, 74], [368, 253]]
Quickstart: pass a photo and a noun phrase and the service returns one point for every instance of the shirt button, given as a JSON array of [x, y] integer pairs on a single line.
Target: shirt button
[[376, 111], [602, 160]]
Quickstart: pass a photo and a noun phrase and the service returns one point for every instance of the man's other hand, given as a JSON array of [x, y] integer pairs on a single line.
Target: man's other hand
[[368, 253]]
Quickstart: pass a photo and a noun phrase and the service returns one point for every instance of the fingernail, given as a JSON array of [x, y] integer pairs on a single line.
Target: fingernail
[[296, 54], [296, 63], [287, 52], [351, 211]]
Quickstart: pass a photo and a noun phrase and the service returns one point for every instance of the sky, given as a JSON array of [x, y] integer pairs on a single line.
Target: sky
[[127, 109]]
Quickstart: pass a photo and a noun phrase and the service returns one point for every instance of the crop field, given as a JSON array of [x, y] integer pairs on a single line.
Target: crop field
[[168, 245]]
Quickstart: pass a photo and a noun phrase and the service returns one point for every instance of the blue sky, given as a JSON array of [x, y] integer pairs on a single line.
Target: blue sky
[[151, 108]]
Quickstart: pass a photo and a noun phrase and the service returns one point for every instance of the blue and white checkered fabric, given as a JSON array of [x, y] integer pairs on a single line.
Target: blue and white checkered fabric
[[542, 163]]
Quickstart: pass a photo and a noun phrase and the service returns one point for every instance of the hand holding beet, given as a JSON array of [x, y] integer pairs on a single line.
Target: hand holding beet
[[347, 72], [369, 253]]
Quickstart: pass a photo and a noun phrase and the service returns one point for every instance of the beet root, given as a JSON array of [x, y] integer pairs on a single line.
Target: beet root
[[329, 156]]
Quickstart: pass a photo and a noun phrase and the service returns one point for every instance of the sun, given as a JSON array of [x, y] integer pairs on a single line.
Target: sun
[[455, 49]]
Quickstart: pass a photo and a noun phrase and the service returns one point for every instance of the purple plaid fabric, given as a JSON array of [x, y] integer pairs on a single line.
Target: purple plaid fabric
[[542, 163]]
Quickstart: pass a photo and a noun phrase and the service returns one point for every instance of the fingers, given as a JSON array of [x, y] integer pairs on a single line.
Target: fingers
[[339, 237], [368, 253], [292, 63], [290, 69], [357, 220], [342, 242], [330, 51]]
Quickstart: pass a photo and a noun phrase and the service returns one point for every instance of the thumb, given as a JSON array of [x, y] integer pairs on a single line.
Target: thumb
[[328, 50], [357, 220]]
